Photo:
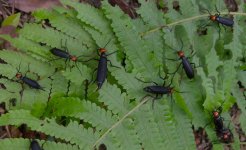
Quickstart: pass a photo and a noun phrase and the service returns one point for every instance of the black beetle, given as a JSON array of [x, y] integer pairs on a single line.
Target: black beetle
[[102, 67], [30, 82], [66, 55], [222, 20], [185, 62], [34, 145]]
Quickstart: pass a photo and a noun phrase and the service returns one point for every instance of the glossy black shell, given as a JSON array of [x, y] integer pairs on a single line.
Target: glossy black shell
[[218, 122], [156, 89], [225, 21], [102, 70], [187, 67], [32, 83], [35, 146], [60, 53]]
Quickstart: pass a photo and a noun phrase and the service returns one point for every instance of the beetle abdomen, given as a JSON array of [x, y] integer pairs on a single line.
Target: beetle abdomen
[[32, 83], [188, 68], [156, 89], [225, 21], [101, 71], [59, 53]]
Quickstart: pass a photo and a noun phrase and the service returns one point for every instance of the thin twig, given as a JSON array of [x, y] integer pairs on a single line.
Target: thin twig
[[117, 123], [186, 20], [8, 133]]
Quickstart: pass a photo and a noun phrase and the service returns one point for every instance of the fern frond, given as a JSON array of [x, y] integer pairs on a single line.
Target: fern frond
[[236, 46], [184, 130], [93, 112], [95, 19], [34, 49], [70, 106], [73, 133], [68, 25], [194, 101], [152, 18], [129, 39], [241, 101], [207, 83], [24, 144], [126, 134], [129, 83], [163, 116], [111, 96], [148, 126], [52, 38], [24, 60], [213, 62]]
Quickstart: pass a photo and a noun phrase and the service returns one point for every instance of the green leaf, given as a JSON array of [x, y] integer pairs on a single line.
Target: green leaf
[[12, 20]]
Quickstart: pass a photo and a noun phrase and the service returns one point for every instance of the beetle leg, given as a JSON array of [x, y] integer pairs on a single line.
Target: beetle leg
[[66, 64], [194, 65], [64, 47], [78, 68], [153, 102], [217, 10], [88, 60], [156, 96], [145, 81], [172, 59], [28, 68], [219, 29], [21, 92], [112, 64], [93, 76], [176, 69], [161, 76], [224, 27], [54, 59]]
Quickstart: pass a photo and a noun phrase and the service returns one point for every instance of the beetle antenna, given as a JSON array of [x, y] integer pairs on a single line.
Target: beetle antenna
[[217, 10], [182, 43], [170, 47], [78, 68], [107, 43], [208, 11], [18, 69], [179, 91]]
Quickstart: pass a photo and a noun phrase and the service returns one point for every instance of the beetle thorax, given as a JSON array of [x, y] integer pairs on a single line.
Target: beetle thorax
[[73, 58], [216, 114], [225, 136], [181, 53], [213, 17], [102, 50], [18, 75], [171, 89]]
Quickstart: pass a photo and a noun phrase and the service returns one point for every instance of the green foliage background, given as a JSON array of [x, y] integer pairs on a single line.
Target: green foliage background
[[115, 115]]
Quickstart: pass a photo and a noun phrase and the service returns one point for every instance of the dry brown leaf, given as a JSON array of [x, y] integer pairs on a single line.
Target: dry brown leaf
[[30, 5]]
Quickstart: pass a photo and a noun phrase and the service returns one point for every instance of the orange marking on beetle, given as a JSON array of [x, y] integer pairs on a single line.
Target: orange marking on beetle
[[181, 53], [216, 114], [18, 75], [102, 50], [225, 136], [213, 17], [73, 58]]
